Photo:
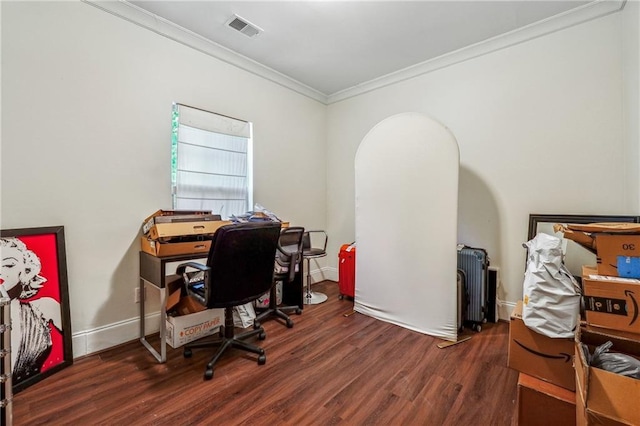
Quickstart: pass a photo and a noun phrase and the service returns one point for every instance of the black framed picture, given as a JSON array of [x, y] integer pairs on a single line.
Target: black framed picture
[[34, 277]]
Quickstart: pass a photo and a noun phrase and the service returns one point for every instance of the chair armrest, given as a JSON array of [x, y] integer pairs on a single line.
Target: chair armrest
[[180, 270]]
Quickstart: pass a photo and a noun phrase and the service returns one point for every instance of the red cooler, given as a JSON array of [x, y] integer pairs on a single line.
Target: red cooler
[[347, 270]]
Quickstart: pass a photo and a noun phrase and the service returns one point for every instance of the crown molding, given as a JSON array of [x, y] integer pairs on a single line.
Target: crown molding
[[161, 26], [555, 23]]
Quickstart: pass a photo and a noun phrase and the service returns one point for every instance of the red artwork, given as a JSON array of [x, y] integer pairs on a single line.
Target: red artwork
[[33, 276]]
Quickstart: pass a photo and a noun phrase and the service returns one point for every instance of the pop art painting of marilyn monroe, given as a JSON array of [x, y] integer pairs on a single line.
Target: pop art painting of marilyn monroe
[[33, 276]]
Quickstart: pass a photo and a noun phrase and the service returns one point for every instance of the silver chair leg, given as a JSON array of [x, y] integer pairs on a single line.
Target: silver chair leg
[[311, 297]]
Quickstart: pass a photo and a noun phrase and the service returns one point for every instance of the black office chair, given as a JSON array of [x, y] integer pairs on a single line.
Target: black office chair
[[311, 251], [288, 260], [239, 269]]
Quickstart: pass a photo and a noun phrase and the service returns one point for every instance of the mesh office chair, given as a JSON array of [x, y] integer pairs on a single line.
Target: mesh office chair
[[239, 269], [288, 260], [310, 251]]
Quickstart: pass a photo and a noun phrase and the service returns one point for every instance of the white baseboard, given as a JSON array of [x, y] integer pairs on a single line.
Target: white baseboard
[[326, 273], [108, 336], [504, 309], [101, 338], [105, 337]]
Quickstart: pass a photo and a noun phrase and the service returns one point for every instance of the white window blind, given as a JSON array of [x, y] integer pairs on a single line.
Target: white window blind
[[211, 162]]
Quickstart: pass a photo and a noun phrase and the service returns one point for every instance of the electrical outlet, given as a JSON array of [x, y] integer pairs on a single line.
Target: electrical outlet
[[136, 294]]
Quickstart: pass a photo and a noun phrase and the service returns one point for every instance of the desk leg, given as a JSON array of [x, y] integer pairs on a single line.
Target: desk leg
[[162, 355]]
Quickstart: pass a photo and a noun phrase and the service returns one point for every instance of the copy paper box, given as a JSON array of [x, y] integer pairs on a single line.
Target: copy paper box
[[187, 328], [611, 302], [604, 397], [532, 353]]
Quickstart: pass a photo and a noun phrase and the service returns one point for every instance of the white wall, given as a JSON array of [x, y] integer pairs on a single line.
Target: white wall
[[547, 126], [631, 95], [540, 130], [86, 115]]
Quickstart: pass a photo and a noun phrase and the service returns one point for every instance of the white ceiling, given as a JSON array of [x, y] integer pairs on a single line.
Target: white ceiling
[[331, 46]]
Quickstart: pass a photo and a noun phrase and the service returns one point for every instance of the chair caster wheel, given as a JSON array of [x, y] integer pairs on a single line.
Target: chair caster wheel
[[262, 360], [289, 324], [341, 297], [256, 325], [187, 353], [262, 336], [208, 374], [298, 311]]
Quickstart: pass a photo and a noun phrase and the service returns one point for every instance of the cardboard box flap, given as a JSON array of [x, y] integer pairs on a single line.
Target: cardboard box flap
[[164, 216], [608, 227], [174, 291], [517, 311], [584, 239]]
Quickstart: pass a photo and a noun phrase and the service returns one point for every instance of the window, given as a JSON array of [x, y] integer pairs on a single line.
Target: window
[[211, 162]]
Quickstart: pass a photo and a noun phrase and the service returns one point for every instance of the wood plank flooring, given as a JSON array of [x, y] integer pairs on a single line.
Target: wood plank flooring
[[328, 369]]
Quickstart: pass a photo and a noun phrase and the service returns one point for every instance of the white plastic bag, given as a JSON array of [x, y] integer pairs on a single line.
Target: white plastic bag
[[243, 315], [551, 296]]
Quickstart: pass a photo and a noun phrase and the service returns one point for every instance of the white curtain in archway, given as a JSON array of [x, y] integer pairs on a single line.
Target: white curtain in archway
[[406, 172]]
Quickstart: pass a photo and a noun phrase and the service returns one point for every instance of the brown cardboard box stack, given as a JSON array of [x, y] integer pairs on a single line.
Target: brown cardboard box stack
[[611, 295], [173, 232], [552, 367], [546, 385]]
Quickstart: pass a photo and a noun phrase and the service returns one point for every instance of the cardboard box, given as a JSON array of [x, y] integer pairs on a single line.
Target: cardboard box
[[617, 254], [161, 249], [169, 216], [603, 397], [187, 328], [542, 404], [611, 302], [540, 356], [178, 229]]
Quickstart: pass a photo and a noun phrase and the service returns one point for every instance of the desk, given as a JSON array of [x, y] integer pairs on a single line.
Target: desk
[[154, 270]]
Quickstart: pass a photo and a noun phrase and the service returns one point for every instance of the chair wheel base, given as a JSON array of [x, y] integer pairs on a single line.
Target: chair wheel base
[[187, 353], [298, 311], [289, 324], [208, 374], [262, 336], [256, 325], [262, 360]]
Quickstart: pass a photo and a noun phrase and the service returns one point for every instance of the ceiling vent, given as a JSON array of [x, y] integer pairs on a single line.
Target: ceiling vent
[[244, 26]]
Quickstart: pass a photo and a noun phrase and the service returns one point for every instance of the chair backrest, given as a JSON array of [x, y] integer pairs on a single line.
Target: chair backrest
[[307, 244], [289, 252], [241, 259]]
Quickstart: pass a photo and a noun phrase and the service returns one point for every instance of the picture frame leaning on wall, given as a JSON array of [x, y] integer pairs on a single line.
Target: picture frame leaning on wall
[[34, 275]]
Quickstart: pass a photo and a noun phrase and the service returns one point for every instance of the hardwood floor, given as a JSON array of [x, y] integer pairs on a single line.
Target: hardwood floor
[[328, 369]]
